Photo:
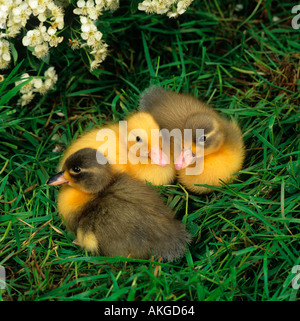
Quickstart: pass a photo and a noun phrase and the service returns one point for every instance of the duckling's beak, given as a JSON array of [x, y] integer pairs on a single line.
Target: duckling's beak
[[57, 179], [186, 158], [158, 156]]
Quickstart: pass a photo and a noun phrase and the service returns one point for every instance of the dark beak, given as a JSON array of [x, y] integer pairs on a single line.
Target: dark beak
[[58, 179]]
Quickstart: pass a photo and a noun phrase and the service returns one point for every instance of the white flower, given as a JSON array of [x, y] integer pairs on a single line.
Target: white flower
[[53, 40], [52, 6], [81, 4], [21, 14], [57, 15], [172, 14], [111, 4], [42, 17], [43, 90], [51, 74], [5, 56], [3, 14], [99, 53], [51, 31], [33, 4], [94, 64], [24, 76], [49, 85], [181, 7], [41, 7], [87, 8], [37, 83], [4, 51], [33, 38], [87, 24], [146, 6], [83, 7], [51, 78], [100, 3], [42, 29], [172, 8], [27, 87], [26, 98], [239, 7], [92, 37], [50, 81], [51, 36], [41, 50], [13, 30]]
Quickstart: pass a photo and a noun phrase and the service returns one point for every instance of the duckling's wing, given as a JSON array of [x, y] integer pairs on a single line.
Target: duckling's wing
[[138, 222]]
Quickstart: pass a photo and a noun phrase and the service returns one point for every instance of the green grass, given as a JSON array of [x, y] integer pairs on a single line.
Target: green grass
[[245, 235]]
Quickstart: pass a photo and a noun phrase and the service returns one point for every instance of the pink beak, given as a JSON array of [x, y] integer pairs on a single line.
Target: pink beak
[[185, 159], [158, 156], [58, 179]]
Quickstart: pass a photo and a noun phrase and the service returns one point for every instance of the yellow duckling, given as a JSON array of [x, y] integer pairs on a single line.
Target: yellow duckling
[[219, 152], [132, 146], [114, 215]]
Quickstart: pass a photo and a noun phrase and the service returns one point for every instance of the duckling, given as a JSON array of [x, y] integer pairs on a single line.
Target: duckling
[[139, 141], [220, 150], [116, 215]]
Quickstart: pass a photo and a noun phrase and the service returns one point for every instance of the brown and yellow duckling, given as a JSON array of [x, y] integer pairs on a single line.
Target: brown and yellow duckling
[[221, 147], [116, 215], [145, 161]]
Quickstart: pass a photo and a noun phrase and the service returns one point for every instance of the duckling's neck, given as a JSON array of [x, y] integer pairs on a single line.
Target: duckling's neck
[[70, 203]]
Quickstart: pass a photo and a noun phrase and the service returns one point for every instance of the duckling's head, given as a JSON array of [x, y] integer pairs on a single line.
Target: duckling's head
[[199, 145], [83, 171], [144, 140]]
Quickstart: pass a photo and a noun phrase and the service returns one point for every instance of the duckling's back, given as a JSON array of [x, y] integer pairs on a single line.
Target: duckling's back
[[129, 218], [171, 109]]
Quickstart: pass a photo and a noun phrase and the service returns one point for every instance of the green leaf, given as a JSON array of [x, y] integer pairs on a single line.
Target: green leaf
[[14, 52], [4, 100]]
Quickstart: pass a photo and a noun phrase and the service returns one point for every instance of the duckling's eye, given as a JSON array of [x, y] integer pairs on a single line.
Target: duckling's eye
[[138, 139], [202, 139], [76, 169]]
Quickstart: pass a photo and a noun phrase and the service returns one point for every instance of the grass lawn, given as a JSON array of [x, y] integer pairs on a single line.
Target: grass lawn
[[245, 235]]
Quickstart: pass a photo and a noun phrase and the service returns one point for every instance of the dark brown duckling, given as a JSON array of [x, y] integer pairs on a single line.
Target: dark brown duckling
[[219, 151], [114, 215]]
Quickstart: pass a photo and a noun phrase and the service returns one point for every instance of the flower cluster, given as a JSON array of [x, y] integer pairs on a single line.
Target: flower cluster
[[172, 8], [38, 26], [89, 11], [36, 85], [15, 15]]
